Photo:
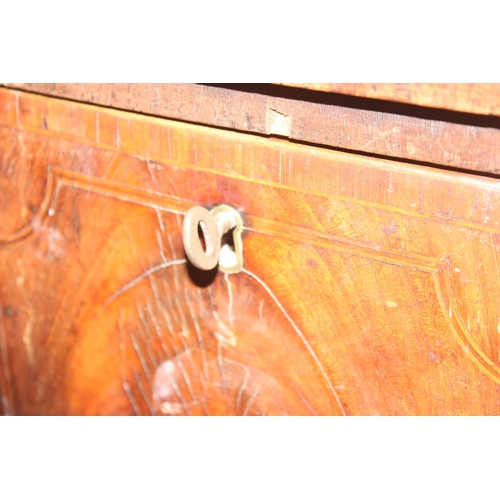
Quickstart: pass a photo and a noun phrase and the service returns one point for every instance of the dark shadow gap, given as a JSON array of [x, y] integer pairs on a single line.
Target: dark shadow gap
[[362, 103]]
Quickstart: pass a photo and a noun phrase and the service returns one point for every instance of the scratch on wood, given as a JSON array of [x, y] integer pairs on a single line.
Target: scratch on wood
[[164, 310], [172, 249], [172, 306], [299, 333], [125, 385], [306, 403], [230, 303], [227, 336], [157, 330], [201, 342], [220, 363], [184, 325], [150, 352], [187, 352], [160, 220], [447, 154], [251, 400], [143, 393], [242, 388], [139, 278], [137, 350], [178, 393], [151, 171], [213, 303], [199, 336], [130, 396], [187, 380]]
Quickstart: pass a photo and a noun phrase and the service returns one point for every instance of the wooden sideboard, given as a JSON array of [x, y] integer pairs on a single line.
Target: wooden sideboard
[[371, 240]]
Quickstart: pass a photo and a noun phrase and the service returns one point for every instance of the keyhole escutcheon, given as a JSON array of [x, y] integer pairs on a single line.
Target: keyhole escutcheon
[[205, 252]]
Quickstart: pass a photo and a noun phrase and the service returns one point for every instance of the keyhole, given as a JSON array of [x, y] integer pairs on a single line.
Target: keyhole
[[228, 257]]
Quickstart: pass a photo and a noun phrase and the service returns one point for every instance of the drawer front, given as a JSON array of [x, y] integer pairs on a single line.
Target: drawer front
[[368, 286]]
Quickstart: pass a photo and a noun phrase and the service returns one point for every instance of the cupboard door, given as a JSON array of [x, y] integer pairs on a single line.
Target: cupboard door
[[368, 287]]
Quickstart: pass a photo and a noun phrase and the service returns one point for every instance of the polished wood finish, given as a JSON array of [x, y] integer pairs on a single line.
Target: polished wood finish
[[480, 98], [369, 286], [442, 139]]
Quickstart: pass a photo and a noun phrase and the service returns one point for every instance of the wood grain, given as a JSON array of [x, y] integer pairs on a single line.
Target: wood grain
[[443, 140], [368, 285], [480, 98]]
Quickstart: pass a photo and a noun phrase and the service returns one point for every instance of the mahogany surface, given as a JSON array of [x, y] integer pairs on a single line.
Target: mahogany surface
[[370, 287]]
